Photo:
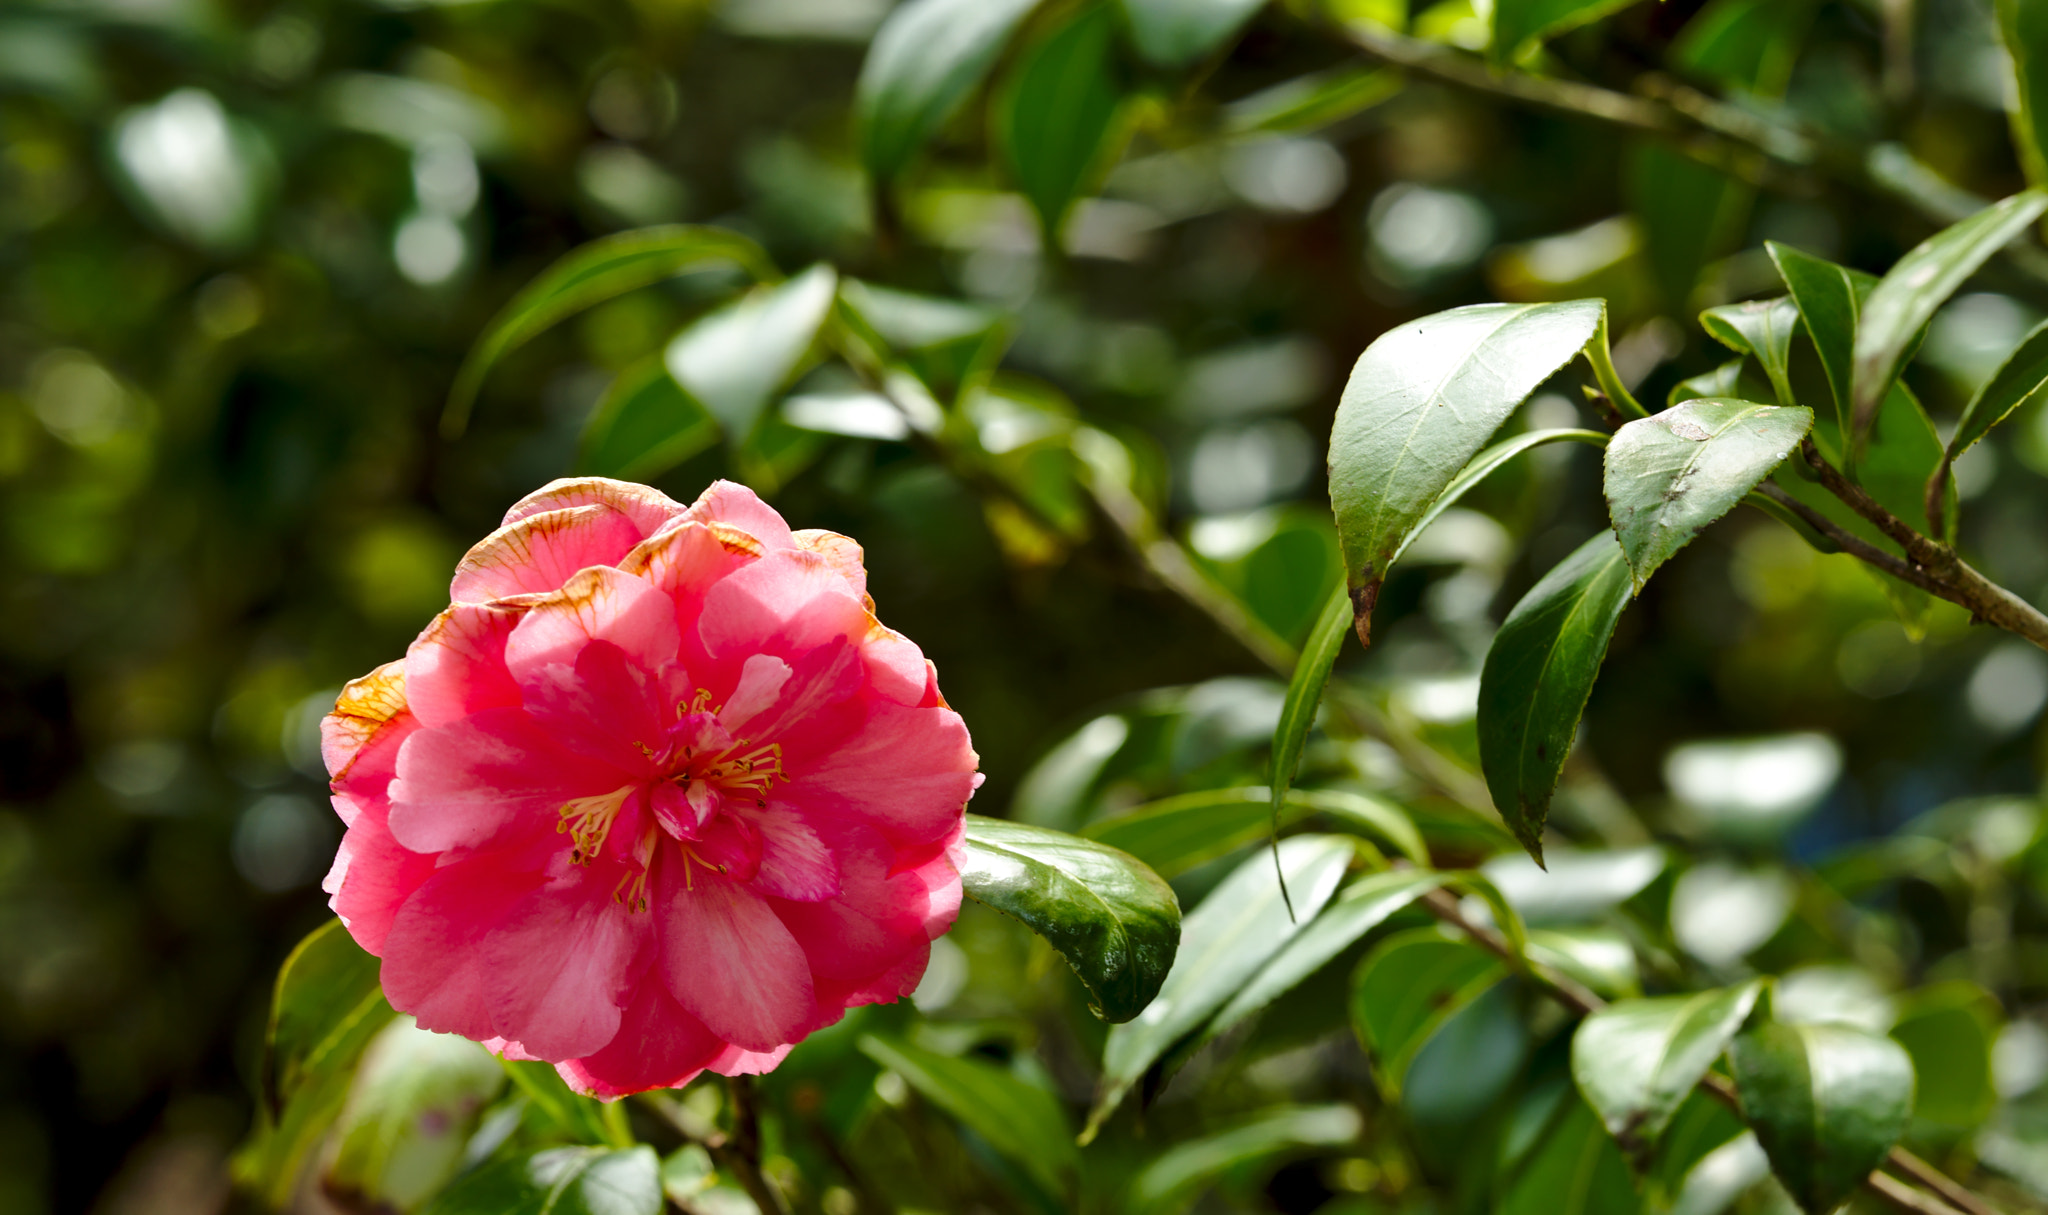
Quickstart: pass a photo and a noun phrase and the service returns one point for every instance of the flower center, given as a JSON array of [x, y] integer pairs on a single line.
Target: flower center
[[588, 820]]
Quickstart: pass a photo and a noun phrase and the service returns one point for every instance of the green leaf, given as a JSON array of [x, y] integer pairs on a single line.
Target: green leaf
[[324, 1011], [1669, 476], [1407, 988], [734, 360], [1720, 382], [1056, 112], [1115, 921], [559, 1181], [2021, 379], [1601, 959], [1363, 906], [1830, 300], [1537, 676], [925, 59], [1948, 1030], [1224, 943], [1057, 791], [1175, 834], [1826, 1101], [2023, 24], [645, 425], [1635, 1061], [1422, 400], [1305, 696], [415, 1099], [1483, 464], [1785, 515], [572, 1115], [604, 269], [1175, 1175], [1021, 1121], [1518, 25], [1906, 298], [1762, 328], [1573, 1170], [1691, 216], [1312, 102], [1175, 33]]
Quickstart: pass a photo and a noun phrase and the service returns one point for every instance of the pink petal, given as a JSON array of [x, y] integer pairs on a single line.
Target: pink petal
[[813, 709], [371, 879], [786, 602], [562, 962], [728, 502], [363, 711], [462, 784], [648, 508], [907, 772], [457, 665], [604, 707], [433, 966], [542, 552], [659, 1045], [839, 552], [871, 942], [896, 667], [795, 864], [683, 560], [761, 681], [728, 959], [733, 1061], [596, 605]]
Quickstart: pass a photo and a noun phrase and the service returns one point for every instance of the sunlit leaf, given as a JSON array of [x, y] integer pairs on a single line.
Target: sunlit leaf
[[1305, 695], [1762, 328], [1669, 476], [1224, 942], [1422, 400], [559, 1181], [1722, 381], [1636, 1060], [1483, 465], [401, 1134], [735, 359], [1906, 298], [1021, 1121], [1175, 834], [1827, 1103], [645, 425], [1312, 102], [604, 269], [1115, 921], [925, 59], [1830, 300], [1537, 676], [1055, 114]]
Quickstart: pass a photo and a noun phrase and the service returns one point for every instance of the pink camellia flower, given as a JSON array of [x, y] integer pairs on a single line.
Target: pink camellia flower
[[657, 793]]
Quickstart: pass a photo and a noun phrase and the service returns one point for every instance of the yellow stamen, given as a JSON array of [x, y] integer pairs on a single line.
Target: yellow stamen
[[588, 820]]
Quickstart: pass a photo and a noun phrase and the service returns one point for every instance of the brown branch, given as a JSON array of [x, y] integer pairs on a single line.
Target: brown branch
[[1857, 547]]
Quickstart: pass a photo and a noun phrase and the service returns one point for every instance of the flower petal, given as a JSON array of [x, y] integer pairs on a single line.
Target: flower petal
[[600, 604], [562, 962], [647, 507], [604, 707], [907, 772], [457, 665], [371, 879], [840, 553], [542, 552], [464, 783], [795, 863], [730, 502], [659, 1045], [728, 959], [365, 708], [785, 603], [684, 560], [433, 966], [761, 682]]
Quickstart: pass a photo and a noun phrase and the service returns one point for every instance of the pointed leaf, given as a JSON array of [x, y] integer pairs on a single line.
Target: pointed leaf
[[1055, 113], [604, 269], [1520, 24], [1908, 295], [645, 425], [326, 1008], [2023, 25], [1175, 33], [925, 59], [1573, 1169], [1830, 300], [1720, 382], [1172, 1178], [1635, 1061], [1224, 943], [1762, 328], [2022, 378], [1407, 988], [734, 360], [1669, 476], [559, 1181], [1826, 1101], [1175, 834], [1021, 1121], [1537, 676], [1115, 921], [1312, 102], [1305, 695], [1422, 400]]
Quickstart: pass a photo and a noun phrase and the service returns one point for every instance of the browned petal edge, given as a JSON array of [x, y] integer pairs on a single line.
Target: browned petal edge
[[645, 505], [365, 706], [1362, 600], [512, 543], [733, 539]]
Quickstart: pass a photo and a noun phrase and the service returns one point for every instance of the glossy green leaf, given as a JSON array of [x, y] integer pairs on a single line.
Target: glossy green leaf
[[1361, 907], [1407, 988], [2020, 380], [2023, 25], [1175, 33], [1312, 102], [1762, 329], [415, 1099], [1421, 402], [1022, 1122], [1906, 298], [1573, 1169], [1830, 301], [1669, 476], [1826, 1101], [1537, 676], [1056, 113], [735, 360], [1305, 696], [559, 1181], [1485, 463], [1518, 25], [1179, 1173], [1636, 1060], [1600, 959], [1225, 942], [604, 269], [1948, 1030], [1175, 834], [645, 425], [1720, 382], [1115, 921], [925, 59], [1057, 791], [324, 1010]]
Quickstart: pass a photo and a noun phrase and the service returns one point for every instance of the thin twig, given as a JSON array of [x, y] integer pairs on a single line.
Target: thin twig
[[742, 1150], [1902, 1197], [1941, 1183]]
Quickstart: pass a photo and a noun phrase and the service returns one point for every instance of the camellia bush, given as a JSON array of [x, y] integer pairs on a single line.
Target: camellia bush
[[1479, 828]]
